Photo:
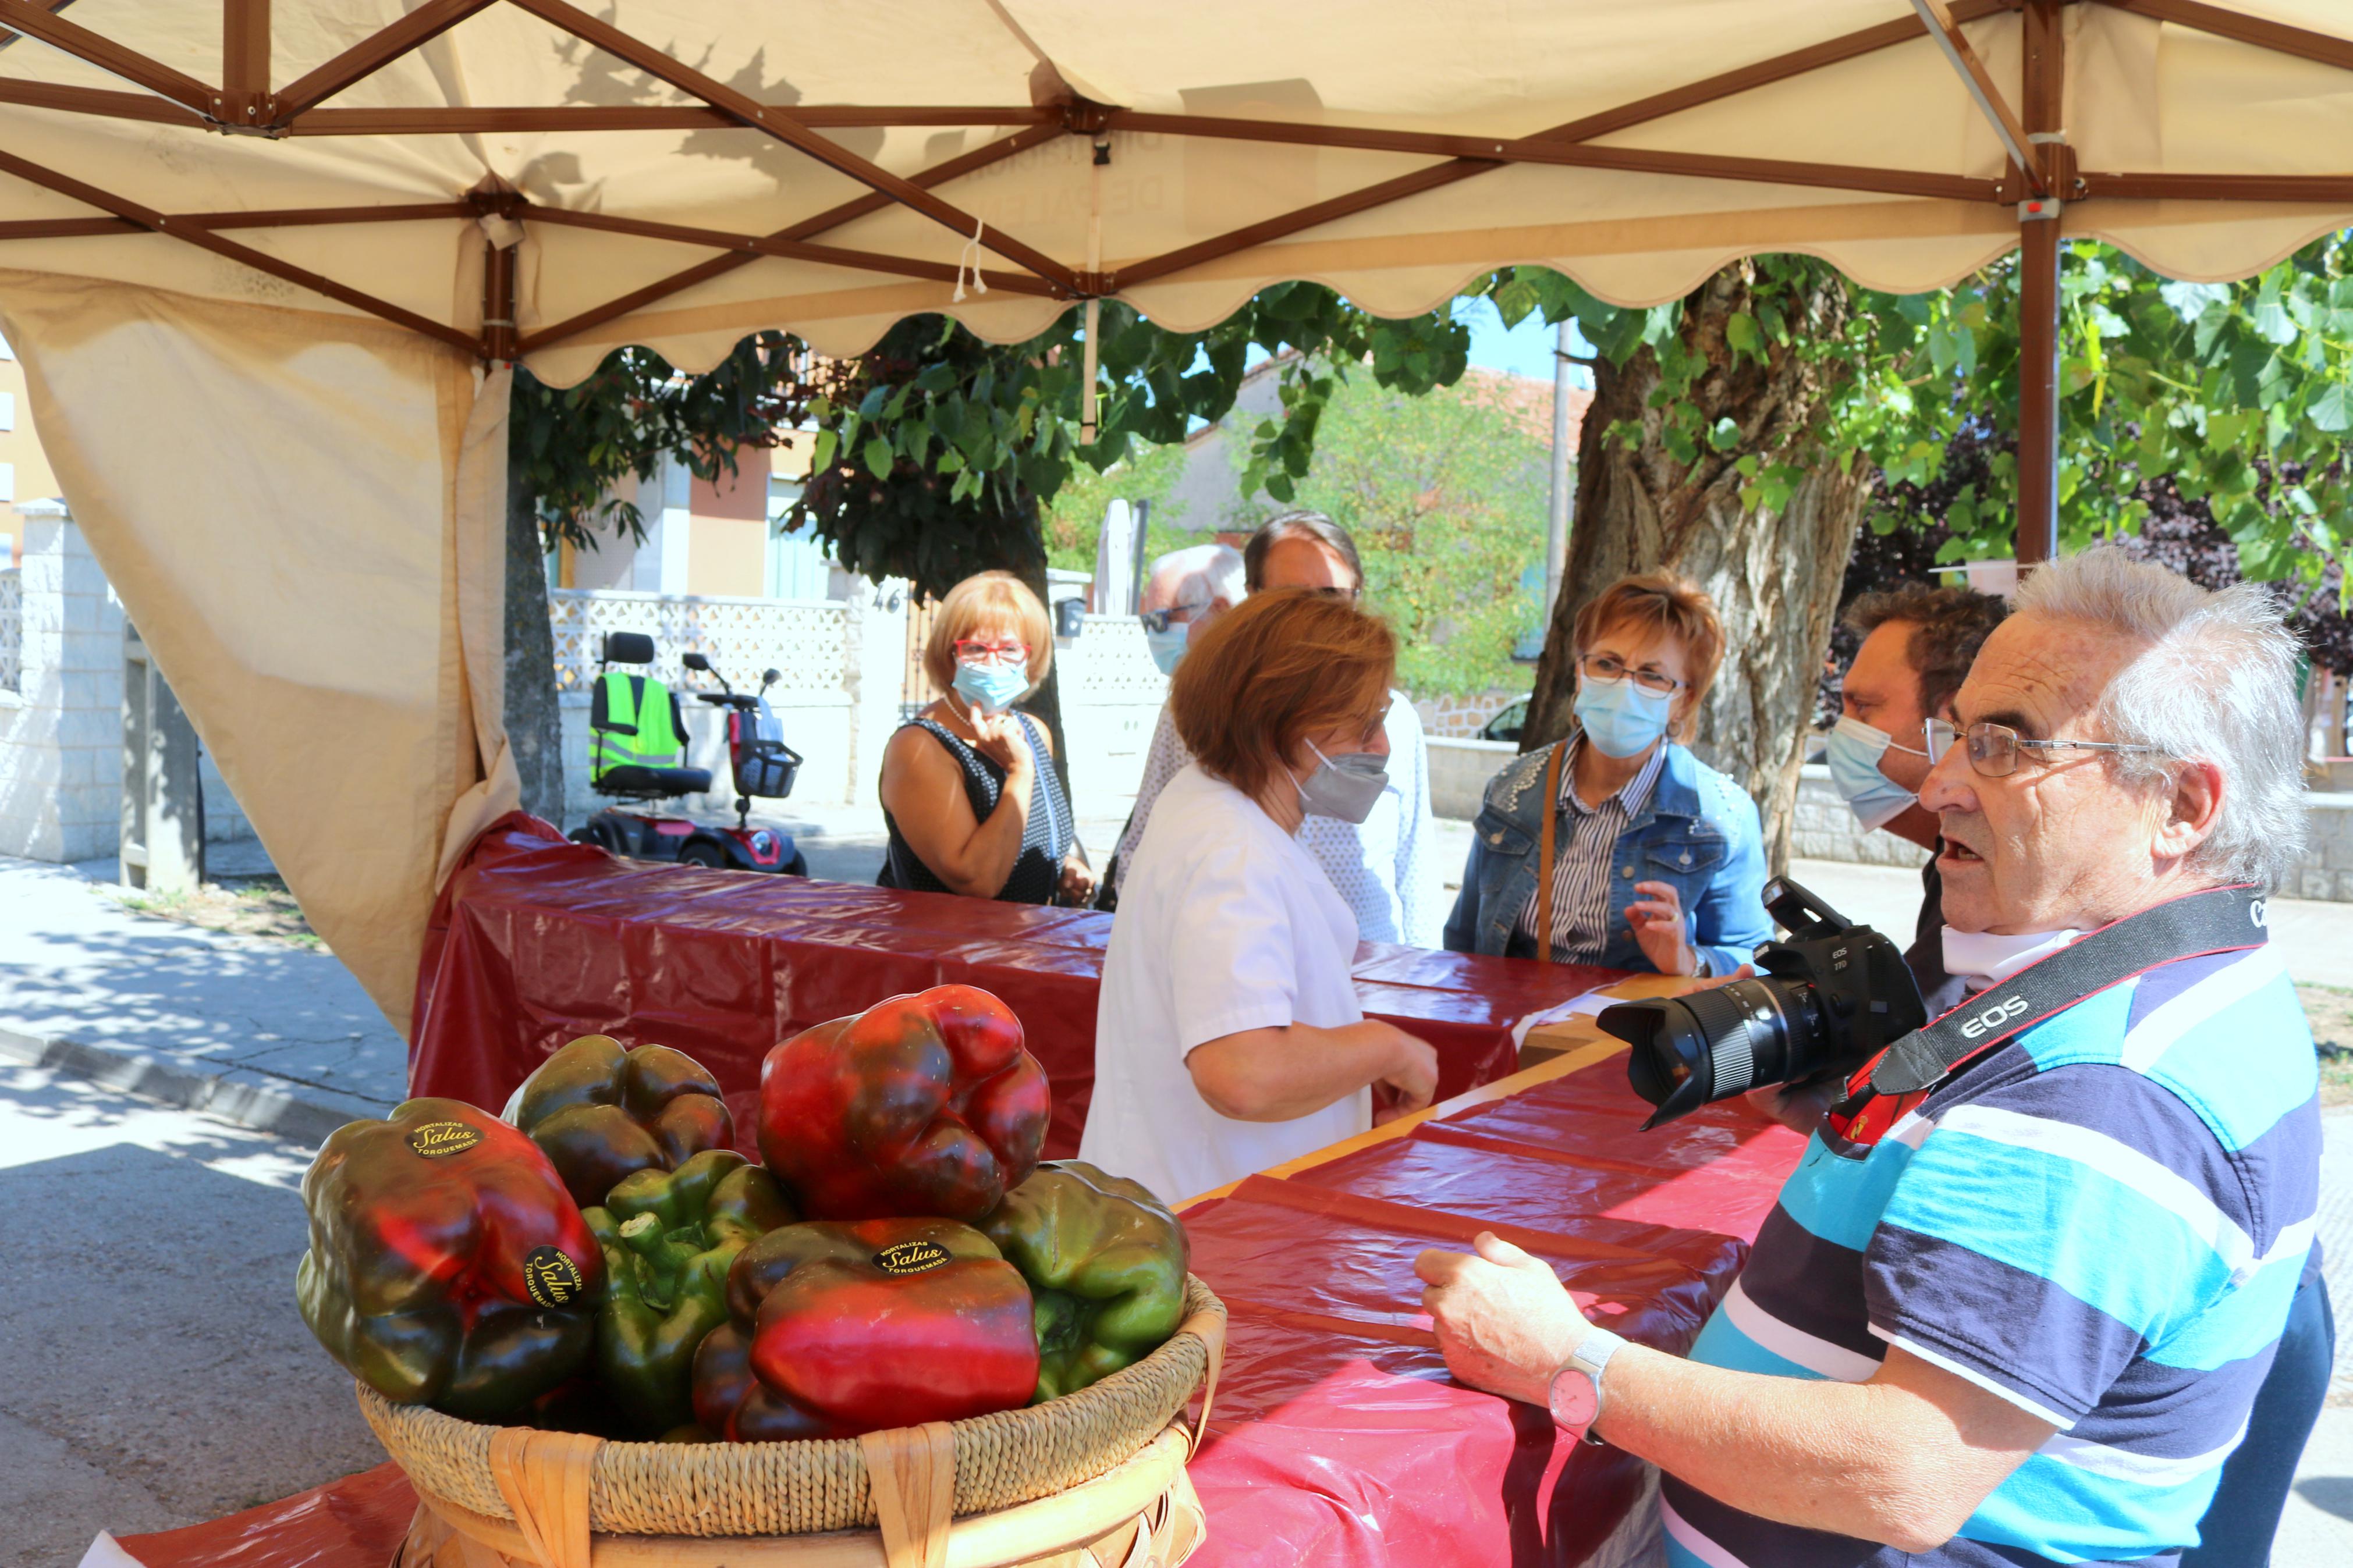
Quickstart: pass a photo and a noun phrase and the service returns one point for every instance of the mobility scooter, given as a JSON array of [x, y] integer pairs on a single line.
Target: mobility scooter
[[635, 729]]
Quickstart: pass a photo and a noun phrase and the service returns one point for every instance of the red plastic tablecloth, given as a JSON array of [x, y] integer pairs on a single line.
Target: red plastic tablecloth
[[536, 941], [1338, 1437]]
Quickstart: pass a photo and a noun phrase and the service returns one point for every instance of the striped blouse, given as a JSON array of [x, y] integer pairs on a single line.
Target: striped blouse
[[1583, 848]]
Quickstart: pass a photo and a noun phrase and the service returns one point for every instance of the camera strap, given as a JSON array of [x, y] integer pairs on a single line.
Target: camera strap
[[2216, 919]]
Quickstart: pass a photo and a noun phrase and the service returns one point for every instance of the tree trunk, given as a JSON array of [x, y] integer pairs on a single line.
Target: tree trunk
[[1774, 574], [534, 723]]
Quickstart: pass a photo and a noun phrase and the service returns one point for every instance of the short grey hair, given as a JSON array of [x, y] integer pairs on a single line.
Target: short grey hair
[[2215, 683], [1216, 570]]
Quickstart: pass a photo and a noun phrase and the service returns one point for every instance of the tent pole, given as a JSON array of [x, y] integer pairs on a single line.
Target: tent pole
[[245, 61], [2038, 294], [499, 300], [2037, 389]]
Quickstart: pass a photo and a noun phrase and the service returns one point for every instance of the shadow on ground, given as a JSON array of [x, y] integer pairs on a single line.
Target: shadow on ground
[[159, 1373]]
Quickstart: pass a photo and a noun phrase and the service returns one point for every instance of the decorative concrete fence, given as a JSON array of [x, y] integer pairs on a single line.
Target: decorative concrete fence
[[804, 640], [843, 692], [12, 628]]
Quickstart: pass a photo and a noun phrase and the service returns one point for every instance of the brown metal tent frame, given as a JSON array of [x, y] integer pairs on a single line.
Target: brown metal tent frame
[[2042, 177]]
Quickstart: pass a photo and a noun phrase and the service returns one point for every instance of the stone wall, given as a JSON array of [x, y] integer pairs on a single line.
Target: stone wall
[[2327, 870], [1461, 718]]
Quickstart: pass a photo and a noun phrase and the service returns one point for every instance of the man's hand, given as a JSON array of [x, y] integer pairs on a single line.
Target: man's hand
[[1503, 1320], [1657, 919], [1078, 882]]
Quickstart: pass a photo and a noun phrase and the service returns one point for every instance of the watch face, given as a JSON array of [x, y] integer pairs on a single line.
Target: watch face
[[1572, 1399]]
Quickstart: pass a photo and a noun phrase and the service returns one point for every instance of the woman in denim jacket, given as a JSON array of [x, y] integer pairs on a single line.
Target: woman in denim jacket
[[1657, 859]]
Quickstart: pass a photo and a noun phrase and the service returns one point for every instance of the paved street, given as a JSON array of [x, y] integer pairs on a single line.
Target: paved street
[[158, 1374]]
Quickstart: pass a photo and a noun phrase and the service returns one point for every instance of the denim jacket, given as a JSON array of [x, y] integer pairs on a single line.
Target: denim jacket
[[1698, 833]]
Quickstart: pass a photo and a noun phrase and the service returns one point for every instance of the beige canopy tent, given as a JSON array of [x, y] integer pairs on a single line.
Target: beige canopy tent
[[266, 261]]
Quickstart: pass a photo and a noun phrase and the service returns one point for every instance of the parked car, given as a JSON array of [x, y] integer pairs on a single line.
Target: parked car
[[1508, 723]]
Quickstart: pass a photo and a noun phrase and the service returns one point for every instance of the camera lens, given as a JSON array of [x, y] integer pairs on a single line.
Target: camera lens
[[1711, 1045]]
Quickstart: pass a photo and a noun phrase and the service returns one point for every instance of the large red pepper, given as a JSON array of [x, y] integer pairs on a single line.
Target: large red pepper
[[839, 1329], [922, 1105]]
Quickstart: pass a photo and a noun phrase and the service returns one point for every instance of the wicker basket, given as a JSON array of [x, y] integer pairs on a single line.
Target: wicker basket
[[1108, 1458]]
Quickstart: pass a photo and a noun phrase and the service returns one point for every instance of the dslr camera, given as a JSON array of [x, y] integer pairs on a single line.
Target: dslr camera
[[1830, 996]]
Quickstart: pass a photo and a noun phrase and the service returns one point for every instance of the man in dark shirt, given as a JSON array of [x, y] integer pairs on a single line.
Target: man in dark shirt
[[1918, 643]]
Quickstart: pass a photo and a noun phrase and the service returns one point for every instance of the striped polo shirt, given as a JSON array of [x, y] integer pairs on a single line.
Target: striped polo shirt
[[2103, 1221]]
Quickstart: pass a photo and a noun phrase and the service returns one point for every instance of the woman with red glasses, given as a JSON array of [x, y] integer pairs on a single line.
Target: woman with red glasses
[[969, 792]]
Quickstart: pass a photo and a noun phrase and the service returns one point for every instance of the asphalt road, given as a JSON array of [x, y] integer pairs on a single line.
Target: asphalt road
[[157, 1371]]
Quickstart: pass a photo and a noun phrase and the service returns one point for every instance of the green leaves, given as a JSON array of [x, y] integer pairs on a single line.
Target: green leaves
[[2224, 390]]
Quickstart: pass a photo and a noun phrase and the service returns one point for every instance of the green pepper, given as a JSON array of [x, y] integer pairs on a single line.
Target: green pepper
[[603, 1111], [669, 1237], [1105, 1261]]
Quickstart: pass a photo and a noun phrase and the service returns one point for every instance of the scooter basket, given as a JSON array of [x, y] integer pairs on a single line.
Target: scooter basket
[[767, 769]]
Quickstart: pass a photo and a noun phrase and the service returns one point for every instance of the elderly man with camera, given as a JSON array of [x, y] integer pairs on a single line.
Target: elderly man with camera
[[2015, 1304]]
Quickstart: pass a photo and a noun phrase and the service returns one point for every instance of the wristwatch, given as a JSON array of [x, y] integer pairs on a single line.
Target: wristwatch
[[1575, 1395]]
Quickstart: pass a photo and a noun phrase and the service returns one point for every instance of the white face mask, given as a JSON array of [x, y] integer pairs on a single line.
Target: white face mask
[[1982, 958]]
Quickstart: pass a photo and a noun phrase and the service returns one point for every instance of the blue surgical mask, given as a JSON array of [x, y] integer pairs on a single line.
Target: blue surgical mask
[[1619, 718], [1853, 750], [1345, 787], [1168, 647], [992, 687]]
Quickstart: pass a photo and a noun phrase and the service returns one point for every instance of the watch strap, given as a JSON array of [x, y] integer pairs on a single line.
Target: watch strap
[[1593, 1357]]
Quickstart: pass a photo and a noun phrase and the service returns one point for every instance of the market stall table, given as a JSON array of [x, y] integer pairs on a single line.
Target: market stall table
[[536, 940], [1337, 1435]]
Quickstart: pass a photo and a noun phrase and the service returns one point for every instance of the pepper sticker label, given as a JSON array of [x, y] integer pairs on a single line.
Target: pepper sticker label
[[436, 1139], [911, 1256], [553, 1279]]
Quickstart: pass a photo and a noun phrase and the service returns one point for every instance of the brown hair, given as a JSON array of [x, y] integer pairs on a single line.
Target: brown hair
[[1672, 602], [1311, 525], [995, 598], [1282, 666], [1949, 625]]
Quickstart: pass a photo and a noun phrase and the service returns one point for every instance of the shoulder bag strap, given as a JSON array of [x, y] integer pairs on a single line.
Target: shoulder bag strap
[[1544, 852]]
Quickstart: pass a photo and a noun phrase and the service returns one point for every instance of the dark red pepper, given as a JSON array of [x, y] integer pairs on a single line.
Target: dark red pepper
[[843, 1328], [603, 1111], [448, 1264], [922, 1105]]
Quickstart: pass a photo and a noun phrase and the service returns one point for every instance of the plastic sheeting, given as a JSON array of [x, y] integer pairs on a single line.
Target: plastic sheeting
[[1338, 1437], [536, 940]]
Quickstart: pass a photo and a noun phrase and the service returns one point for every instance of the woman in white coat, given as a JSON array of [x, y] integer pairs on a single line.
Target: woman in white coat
[[1228, 1036]]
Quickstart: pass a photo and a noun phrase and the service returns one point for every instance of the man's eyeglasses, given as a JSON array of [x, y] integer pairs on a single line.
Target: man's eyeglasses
[[1344, 596], [979, 650], [1993, 748], [1158, 621], [1605, 666]]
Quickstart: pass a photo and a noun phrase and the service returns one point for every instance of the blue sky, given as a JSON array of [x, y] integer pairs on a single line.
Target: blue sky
[[1525, 349]]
